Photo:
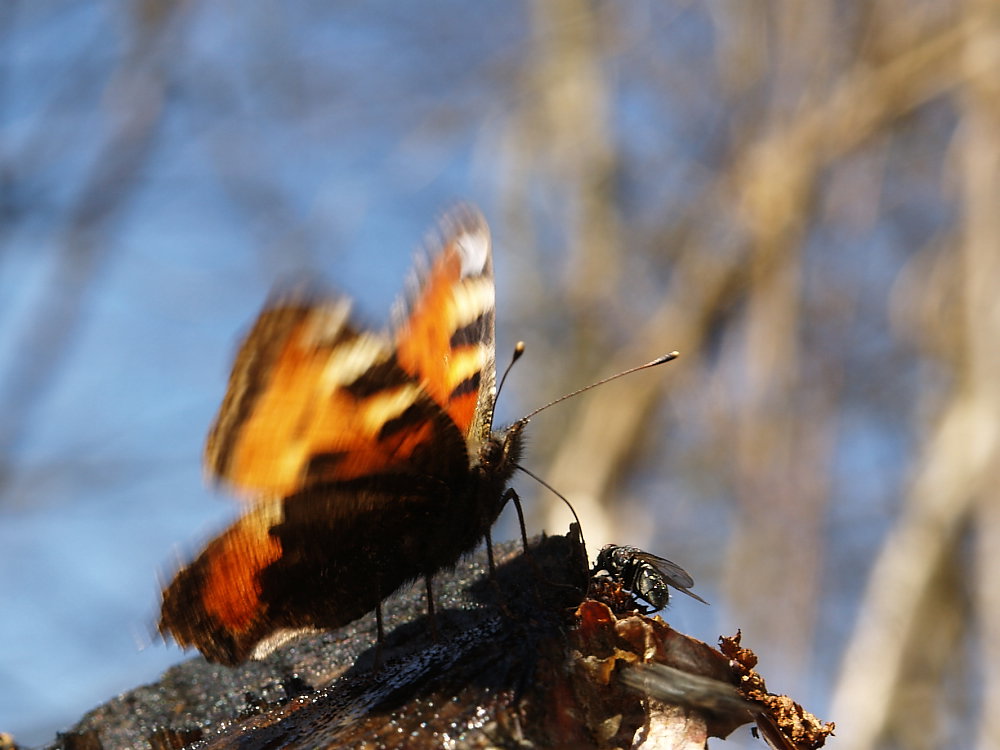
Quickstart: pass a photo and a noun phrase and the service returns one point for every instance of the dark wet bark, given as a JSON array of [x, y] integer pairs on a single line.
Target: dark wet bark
[[525, 660]]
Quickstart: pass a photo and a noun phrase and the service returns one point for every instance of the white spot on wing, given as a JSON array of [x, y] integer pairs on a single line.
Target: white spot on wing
[[470, 300], [326, 321], [388, 405], [473, 248], [352, 359]]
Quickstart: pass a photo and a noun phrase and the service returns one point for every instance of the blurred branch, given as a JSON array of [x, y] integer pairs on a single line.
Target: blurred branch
[[979, 155], [568, 127], [772, 180], [956, 476]]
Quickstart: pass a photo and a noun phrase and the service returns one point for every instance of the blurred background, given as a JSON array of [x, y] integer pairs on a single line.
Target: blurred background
[[801, 197]]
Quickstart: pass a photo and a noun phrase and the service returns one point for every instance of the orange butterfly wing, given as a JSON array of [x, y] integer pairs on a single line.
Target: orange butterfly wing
[[313, 399], [447, 338]]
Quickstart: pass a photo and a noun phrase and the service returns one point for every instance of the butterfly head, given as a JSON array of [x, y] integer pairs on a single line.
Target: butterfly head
[[500, 452]]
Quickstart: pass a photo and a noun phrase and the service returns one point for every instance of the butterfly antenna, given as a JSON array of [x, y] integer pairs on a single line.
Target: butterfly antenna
[[654, 363], [562, 497], [518, 351]]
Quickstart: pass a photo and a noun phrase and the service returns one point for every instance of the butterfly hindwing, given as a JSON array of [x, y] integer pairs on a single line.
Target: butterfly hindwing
[[292, 564], [215, 602]]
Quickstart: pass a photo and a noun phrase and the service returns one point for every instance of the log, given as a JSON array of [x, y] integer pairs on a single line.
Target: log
[[540, 655]]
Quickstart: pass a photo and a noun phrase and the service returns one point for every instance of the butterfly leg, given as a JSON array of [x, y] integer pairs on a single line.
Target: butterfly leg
[[432, 620], [489, 553], [493, 578], [510, 494]]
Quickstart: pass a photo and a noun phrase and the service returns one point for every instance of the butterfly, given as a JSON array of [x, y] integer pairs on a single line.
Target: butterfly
[[369, 459]]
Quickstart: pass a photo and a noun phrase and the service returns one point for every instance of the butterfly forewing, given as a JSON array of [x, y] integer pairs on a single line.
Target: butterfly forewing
[[311, 399], [446, 338]]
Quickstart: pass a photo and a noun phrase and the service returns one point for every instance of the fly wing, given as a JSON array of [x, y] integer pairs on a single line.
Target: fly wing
[[675, 575]]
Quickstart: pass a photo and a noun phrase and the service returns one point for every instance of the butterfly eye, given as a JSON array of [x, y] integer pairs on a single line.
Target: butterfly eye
[[491, 454]]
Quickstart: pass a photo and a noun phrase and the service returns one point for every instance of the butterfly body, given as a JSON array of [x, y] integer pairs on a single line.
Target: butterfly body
[[370, 460]]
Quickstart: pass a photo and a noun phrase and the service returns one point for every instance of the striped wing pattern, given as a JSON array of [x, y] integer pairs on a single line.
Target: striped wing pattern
[[313, 399]]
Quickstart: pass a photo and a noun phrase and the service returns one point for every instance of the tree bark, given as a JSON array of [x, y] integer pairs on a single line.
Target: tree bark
[[542, 655]]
